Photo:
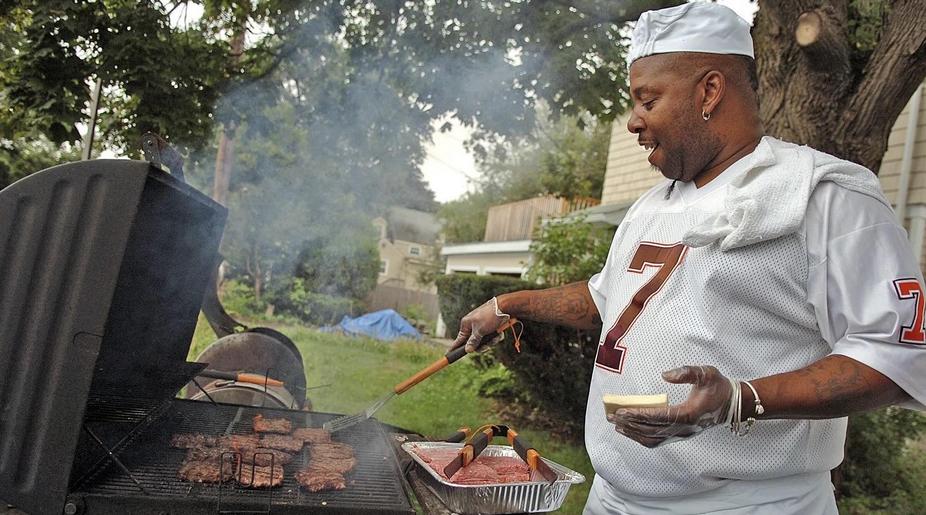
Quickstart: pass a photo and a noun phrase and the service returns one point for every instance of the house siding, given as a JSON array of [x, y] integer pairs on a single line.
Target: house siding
[[890, 164], [628, 174]]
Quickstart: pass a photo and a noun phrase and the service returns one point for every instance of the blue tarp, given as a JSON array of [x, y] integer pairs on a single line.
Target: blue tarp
[[382, 325]]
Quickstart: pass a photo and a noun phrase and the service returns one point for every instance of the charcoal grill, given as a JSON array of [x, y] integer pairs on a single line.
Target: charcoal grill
[[372, 485], [103, 266]]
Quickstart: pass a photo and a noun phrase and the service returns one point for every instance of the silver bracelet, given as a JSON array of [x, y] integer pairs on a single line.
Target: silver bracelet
[[738, 426], [758, 402]]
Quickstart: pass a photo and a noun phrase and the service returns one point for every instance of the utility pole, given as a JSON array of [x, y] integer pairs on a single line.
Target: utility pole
[[87, 147]]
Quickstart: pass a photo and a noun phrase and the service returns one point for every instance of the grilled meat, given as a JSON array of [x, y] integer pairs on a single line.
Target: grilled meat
[[208, 471], [331, 450], [260, 477], [257, 456], [191, 440], [339, 465], [238, 441], [312, 435], [315, 480], [284, 443], [272, 425]]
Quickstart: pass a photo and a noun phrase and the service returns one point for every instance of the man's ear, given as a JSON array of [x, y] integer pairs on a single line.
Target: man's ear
[[713, 86]]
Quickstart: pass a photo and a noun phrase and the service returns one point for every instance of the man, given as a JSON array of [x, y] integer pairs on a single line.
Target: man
[[766, 287]]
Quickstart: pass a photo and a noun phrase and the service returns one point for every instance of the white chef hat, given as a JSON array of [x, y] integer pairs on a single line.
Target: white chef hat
[[690, 27]]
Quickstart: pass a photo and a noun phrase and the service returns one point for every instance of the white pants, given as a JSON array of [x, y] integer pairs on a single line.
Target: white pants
[[804, 494]]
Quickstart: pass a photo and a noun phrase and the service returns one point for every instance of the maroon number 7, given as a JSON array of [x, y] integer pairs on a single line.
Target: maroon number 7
[[911, 289], [611, 352]]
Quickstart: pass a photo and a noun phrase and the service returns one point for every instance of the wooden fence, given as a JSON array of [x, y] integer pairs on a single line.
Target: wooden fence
[[384, 297], [517, 220]]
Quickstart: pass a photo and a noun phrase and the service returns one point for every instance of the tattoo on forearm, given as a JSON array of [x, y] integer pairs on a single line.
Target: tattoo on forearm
[[568, 305], [840, 385], [843, 381]]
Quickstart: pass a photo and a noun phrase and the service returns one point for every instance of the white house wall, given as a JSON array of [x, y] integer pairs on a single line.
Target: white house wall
[[487, 264]]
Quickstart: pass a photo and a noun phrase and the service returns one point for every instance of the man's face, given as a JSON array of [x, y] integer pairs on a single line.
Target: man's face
[[667, 118]]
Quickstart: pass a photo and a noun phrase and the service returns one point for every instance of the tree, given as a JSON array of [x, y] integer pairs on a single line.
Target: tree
[[21, 158], [156, 77], [836, 74]]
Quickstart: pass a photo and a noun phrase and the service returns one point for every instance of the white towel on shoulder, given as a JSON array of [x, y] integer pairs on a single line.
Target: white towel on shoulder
[[770, 199]]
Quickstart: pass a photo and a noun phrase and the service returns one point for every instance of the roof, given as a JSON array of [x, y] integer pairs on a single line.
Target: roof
[[609, 214], [412, 225]]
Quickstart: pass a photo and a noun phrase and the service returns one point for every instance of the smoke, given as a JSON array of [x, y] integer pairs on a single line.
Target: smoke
[[337, 134]]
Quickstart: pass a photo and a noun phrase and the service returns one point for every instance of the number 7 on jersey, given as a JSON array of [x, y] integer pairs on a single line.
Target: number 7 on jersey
[[611, 351]]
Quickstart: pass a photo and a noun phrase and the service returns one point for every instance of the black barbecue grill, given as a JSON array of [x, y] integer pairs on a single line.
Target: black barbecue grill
[[372, 485], [103, 266]]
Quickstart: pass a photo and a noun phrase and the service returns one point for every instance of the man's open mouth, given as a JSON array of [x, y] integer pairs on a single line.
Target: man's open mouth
[[651, 146]]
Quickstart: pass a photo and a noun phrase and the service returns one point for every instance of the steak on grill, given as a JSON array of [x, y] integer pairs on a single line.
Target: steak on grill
[[284, 443], [238, 441], [257, 456], [312, 435], [260, 477], [339, 465], [315, 480], [331, 450], [272, 425], [191, 440], [207, 471]]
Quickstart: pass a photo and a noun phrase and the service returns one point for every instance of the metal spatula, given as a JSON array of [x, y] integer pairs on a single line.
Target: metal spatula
[[453, 355]]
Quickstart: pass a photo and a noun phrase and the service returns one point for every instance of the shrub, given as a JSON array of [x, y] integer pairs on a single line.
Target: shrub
[[882, 471], [568, 250], [238, 299], [293, 299], [461, 293], [414, 312], [554, 368]]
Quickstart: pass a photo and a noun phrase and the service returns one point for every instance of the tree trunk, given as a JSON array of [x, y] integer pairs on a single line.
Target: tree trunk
[[808, 91], [226, 152]]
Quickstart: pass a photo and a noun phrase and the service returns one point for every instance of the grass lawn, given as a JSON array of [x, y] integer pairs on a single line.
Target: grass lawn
[[362, 370]]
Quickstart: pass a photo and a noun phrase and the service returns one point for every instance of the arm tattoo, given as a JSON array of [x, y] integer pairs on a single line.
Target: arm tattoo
[[834, 386], [569, 305], [836, 382]]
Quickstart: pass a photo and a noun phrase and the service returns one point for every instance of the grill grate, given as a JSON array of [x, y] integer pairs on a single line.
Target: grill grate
[[375, 485]]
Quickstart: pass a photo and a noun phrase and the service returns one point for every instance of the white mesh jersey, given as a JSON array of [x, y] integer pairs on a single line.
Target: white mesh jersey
[[846, 283]]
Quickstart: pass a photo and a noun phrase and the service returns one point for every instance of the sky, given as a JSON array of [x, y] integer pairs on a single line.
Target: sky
[[449, 169]]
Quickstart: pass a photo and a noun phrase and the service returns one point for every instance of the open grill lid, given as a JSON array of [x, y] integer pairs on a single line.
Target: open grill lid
[[103, 265]]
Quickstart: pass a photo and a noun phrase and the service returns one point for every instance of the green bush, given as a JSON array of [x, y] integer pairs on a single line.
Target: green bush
[[292, 299], [461, 293], [553, 370], [883, 472], [238, 299], [414, 312], [568, 250]]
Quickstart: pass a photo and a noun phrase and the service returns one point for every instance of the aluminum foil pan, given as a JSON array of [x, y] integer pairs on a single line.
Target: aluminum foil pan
[[534, 496]]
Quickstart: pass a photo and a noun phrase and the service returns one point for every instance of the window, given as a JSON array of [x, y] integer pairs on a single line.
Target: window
[[383, 264], [516, 275], [414, 251]]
